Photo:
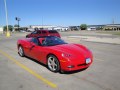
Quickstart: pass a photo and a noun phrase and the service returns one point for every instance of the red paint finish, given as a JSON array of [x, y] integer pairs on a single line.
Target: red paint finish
[[43, 33], [71, 56]]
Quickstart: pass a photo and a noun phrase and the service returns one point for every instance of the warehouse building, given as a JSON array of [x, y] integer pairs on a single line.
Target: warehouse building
[[95, 27], [115, 27], [39, 27], [112, 27], [47, 27]]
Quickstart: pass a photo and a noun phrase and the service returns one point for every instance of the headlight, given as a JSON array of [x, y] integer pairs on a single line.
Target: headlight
[[88, 60]]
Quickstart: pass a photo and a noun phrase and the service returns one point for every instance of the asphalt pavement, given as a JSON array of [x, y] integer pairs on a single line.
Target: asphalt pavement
[[17, 73]]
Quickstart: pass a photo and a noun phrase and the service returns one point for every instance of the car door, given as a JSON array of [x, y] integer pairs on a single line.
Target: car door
[[27, 48], [36, 51], [54, 33], [33, 45]]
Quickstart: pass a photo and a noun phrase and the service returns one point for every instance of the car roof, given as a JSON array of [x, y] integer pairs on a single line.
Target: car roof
[[44, 36], [46, 30]]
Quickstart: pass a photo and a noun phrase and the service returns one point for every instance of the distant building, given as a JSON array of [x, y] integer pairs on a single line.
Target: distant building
[[64, 29], [95, 27], [60, 28], [74, 28], [39, 27], [112, 27], [47, 27], [20, 28], [104, 27]]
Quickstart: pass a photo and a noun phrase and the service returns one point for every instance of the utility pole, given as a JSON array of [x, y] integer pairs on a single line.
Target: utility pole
[[113, 22], [18, 19], [7, 33], [42, 22]]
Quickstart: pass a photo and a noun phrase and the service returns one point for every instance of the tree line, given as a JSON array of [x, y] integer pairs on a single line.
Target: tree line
[[10, 27], [81, 27]]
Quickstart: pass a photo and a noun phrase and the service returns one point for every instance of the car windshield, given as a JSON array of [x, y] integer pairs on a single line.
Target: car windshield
[[52, 40]]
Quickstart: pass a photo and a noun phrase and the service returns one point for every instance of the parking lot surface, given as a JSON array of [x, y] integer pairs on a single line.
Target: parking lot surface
[[17, 73]]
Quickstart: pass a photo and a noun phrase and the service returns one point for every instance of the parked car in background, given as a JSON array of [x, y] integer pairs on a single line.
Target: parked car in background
[[43, 33], [55, 53], [22, 31]]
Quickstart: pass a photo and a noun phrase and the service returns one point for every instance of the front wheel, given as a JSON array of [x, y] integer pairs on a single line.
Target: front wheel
[[53, 63], [26, 36], [21, 51]]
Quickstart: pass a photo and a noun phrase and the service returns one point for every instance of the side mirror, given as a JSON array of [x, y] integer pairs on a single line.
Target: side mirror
[[32, 44]]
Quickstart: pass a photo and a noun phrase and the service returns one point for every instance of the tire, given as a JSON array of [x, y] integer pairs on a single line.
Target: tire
[[26, 36], [53, 63], [21, 51]]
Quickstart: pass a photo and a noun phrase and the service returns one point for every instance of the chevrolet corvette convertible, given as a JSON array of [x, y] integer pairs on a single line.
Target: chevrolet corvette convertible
[[55, 53]]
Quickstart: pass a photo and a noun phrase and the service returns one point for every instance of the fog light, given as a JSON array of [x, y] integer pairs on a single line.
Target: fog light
[[71, 66]]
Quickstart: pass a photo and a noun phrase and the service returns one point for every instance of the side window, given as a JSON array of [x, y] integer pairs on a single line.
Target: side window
[[38, 32], [44, 32], [52, 31], [35, 41], [35, 32]]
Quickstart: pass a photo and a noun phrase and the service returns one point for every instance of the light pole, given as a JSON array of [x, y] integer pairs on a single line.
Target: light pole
[[18, 19], [7, 33]]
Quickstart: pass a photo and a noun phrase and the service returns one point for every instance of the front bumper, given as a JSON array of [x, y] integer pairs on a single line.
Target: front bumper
[[73, 66]]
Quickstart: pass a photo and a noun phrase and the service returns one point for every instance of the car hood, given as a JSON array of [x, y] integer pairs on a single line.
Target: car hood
[[75, 50]]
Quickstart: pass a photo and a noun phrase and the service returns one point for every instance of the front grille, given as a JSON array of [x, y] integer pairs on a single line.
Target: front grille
[[82, 64]]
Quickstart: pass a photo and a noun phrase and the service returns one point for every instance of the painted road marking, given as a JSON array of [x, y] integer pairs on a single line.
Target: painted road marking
[[29, 70]]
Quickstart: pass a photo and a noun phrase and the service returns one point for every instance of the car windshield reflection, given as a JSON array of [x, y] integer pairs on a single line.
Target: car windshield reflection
[[52, 41]]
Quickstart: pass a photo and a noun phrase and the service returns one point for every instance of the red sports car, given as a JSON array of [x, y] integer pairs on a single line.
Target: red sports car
[[55, 53]]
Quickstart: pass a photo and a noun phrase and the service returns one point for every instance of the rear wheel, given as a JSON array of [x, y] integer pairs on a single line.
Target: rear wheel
[[26, 36], [53, 63], [21, 51]]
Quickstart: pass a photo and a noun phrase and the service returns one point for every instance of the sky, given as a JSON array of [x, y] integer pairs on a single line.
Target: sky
[[60, 12]]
